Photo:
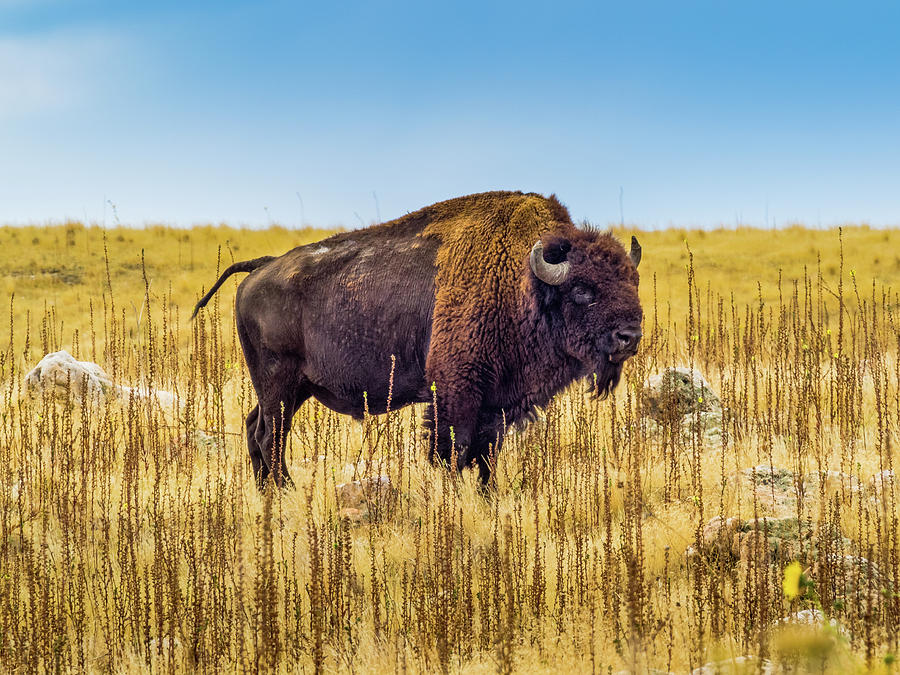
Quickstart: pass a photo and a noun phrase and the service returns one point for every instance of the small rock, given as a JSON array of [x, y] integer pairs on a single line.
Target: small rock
[[835, 482], [738, 665], [718, 535], [774, 488], [353, 515], [771, 476], [166, 644], [810, 617], [850, 577], [204, 441], [762, 541], [881, 484], [356, 497], [351, 495], [359, 494], [748, 540], [677, 392], [767, 540], [751, 549], [783, 527]]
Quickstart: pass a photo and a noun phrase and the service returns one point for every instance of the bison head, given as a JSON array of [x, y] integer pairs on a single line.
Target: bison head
[[589, 285]]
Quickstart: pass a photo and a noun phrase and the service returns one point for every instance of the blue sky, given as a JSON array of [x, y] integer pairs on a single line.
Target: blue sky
[[696, 114]]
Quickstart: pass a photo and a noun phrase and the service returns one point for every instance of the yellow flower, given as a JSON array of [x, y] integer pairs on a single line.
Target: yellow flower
[[791, 582]]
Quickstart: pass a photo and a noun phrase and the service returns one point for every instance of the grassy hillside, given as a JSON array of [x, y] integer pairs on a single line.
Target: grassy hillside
[[65, 268], [68, 267], [133, 539]]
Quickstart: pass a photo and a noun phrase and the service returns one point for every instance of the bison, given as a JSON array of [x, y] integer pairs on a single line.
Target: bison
[[483, 307]]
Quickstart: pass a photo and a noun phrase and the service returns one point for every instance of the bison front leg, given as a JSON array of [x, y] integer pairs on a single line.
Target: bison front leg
[[474, 436], [446, 440], [486, 444]]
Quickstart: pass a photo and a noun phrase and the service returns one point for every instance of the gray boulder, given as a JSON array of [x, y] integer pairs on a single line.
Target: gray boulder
[[677, 392]]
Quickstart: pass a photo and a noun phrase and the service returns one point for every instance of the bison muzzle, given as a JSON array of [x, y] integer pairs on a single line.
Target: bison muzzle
[[484, 306]]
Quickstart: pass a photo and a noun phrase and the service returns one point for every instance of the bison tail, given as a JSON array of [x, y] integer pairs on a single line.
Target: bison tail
[[245, 266]]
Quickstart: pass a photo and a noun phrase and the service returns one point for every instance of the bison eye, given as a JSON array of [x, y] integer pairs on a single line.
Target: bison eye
[[582, 295]]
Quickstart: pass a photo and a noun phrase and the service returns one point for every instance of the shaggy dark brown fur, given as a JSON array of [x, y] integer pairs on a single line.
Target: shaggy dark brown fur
[[449, 292]]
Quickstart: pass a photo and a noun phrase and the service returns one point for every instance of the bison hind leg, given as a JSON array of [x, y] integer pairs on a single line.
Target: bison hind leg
[[260, 469], [272, 430], [266, 448], [281, 389]]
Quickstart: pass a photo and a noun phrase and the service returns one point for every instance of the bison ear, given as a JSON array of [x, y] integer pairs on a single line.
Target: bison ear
[[556, 249]]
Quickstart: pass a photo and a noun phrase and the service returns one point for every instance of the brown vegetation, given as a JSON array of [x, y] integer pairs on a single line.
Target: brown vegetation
[[132, 536]]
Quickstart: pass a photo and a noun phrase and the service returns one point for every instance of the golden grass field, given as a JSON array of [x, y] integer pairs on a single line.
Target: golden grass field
[[129, 542]]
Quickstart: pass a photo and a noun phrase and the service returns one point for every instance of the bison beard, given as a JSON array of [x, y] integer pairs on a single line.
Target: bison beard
[[604, 380], [488, 306]]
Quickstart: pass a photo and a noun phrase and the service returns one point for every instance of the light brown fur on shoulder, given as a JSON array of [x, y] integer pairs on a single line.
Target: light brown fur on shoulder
[[484, 240], [481, 262]]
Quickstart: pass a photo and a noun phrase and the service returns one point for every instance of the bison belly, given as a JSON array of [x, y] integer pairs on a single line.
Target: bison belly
[[366, 339], [352, 366]]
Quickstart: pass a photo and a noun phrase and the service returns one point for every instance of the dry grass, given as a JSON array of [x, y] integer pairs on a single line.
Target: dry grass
[[130, 543]]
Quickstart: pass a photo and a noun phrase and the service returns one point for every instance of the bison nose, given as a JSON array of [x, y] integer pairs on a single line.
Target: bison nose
[[627, 339]]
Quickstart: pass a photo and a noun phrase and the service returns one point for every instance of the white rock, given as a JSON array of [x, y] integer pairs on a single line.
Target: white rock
[[739, 664], [835, 482], [881, 482], [810, 617], [163, 398], [166, 644], [86, 381], [204, 441], [59, 370]]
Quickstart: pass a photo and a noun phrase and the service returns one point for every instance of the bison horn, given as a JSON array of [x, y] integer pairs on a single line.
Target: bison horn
[[550, 273], [635, 251]]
